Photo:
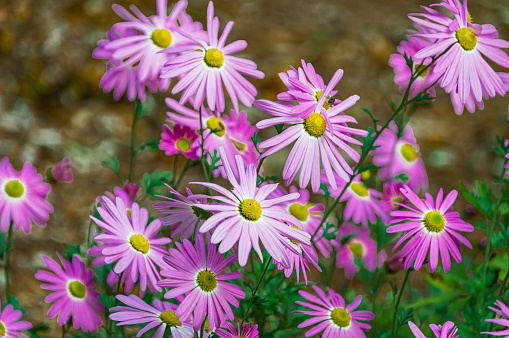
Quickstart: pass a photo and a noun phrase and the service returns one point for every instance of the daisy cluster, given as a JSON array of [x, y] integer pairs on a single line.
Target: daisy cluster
[[194, 263]]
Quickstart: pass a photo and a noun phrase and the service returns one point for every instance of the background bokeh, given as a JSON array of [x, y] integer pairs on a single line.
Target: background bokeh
[[51, 105]]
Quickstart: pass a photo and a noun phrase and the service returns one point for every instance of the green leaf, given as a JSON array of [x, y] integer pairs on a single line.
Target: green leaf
[[153, 183], [214, 158], [279, 128], [151, 144], [111, 162], [404, 316], [409, 61], [325, 189], [72, 250], [368, 167], [330, 232], [107, 300], [481, 198], [372, 116], [402, 178], [41, 328]]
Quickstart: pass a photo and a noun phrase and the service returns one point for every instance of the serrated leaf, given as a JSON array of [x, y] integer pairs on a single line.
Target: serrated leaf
[[372, 116], [402, 178], [153, 183], [107, 300], [367, 167], [72, 249]]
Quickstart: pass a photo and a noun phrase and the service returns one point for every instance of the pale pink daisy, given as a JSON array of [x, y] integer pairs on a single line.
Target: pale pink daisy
[[73, 293], [130, 244], [399, 155], [503, 312], [180, 140], [198, 273], [332, 315], [463, 67], [206, 64], [10, 324], [22, 197], [317, 137], [448, 330], [246, 216], [160, 314], [429, 226], [247, 331]]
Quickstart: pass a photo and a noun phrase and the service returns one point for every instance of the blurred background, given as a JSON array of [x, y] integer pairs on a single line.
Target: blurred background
[[51, 105]]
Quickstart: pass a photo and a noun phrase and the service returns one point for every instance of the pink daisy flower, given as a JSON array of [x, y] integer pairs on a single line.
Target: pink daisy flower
[[233, 133], [362, 204], [317, 138], [392, 195], [448, 330], [129, 243], [502, 311], [73, 293], [10, 324], [62, 171], [128, 194], [399, 156], [160, 314], [180, 140], [462, 67], [403, 73], [184, 217], [246, 216], [333, 315], [359, 247], [206, 64], [198, 273], [247, 331], [430, 227], [22, 197]]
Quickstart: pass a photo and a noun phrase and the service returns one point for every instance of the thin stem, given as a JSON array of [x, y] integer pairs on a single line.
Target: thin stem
[[133, 150], [397, 302], [203, 327], [203, 156], [189, 164], [174, 173], [63, 331], [110, 329], [255, 290], [8, 247]]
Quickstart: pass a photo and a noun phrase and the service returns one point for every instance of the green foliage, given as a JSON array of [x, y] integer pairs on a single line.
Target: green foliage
[[153, 183], [39, 331], [371, 116], [367, 142], [402, 178], [214, 158], [325, 189], [481, 197], [107, 300], [151, 144], [72, 250], [113, 163], [279, 128], [367, 167]]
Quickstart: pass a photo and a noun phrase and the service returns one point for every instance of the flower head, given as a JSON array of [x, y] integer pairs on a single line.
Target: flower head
[[429, 227], [448, 330], [62, 171], [197, 272], [73, 293], [206, 64], [247, 331], [160, 314], [180, 140], [503, 312], [10, 326], [128, 194], [22, 197], [392, 195], [333, 315]]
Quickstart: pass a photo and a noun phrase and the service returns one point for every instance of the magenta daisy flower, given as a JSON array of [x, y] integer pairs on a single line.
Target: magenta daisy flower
[[502, 311], [333, 315], [360, 247], [10, 324], [317, 137], [246, 216], [184, 217], [247, 331], [206, 64], [463, 67], [130, 244], [448, 330], [73, 293], [233, 133], [392, 195], [22, 197], [399, 156], [180, 140], [430, 227], [160, 314], [198, 273], [62, 171]]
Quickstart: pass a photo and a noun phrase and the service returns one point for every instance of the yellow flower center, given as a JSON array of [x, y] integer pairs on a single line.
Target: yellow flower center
[[139, 243], [434, 221], [213, 58], [183, 144], [409, 152], [328, 102], [206, 280], [216, 126], [14, 189], [77, 289], [300, 211], [469, 17], [365, 175], [201, 213], [340, 317], [250, 209], [291, 240], [466, 38], [161, 38], [238, 145], [360, 189], [2, 330], [356, 248], [418, 67], [315, 125], [168, 317]]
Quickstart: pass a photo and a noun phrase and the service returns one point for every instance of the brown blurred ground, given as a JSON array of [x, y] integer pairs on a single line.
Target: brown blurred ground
[[51, 105]]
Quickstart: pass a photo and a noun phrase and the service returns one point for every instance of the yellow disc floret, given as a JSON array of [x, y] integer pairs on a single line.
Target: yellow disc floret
[[466, 38], [434, 221], [360, 189], [202, 213], [161, 38], [213, 58], [300, 211], [14, 189], [250, 209], [216, 126], [327, 104], [315, 125], [409, 152], [168, 317], [206, 280], [340, 317], [291, 240], [183, 144], [77, 289], [356, 248], [139, 243], [2, 329]]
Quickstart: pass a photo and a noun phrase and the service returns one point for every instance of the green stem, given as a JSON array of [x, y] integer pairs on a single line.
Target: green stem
[[203, 327], [8, 247], [110, 329], [189, 164], [397, 302], [256, 290], [203, 158], [174, 173], [133, 150]]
